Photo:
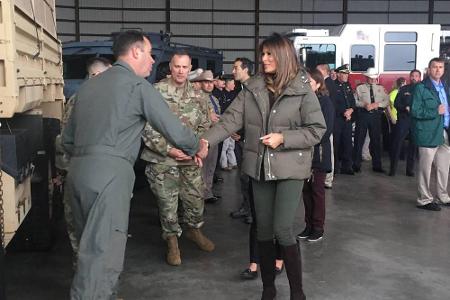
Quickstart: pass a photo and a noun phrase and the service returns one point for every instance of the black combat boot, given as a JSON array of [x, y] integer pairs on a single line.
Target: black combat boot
[[267, 256], [293, 264]]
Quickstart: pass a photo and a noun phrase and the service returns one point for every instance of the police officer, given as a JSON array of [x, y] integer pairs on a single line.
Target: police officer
[[342, 135], [219, 86], [402, 129], [371, 99], [102, 136], [206, 82], [172, 174]]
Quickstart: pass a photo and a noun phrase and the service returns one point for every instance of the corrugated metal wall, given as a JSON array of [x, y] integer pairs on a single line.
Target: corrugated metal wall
[[234, 26]]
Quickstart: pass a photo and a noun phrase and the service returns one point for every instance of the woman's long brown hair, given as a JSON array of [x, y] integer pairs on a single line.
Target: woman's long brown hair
[[318, 77], [283, 51]]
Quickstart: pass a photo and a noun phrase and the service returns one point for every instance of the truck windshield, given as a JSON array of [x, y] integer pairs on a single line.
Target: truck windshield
[[312, 55], [75, 65], [362, 57]]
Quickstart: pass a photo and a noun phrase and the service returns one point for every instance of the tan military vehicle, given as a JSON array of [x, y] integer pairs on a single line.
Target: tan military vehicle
[[31, 103]]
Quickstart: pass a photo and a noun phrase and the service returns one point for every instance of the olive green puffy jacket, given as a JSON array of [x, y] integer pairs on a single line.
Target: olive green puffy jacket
[[296, 114]]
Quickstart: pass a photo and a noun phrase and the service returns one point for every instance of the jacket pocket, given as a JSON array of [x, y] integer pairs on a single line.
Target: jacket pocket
[[252, 135]]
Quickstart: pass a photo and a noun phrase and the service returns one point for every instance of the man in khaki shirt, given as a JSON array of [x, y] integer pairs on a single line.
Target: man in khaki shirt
[[371, 99]]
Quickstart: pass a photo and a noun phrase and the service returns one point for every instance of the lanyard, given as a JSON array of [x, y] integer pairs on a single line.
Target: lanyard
[[216, 109]]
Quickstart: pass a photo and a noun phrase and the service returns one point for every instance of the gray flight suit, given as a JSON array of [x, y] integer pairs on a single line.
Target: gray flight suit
[[102, 137]]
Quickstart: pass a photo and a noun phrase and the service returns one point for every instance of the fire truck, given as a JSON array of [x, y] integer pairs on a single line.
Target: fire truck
[[392, 49]]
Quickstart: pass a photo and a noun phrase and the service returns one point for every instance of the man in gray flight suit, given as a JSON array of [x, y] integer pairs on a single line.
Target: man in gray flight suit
[[94, 66], [103, 138]]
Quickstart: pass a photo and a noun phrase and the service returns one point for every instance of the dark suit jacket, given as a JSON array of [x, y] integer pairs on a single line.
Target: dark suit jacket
[[322, 151], [331, 87]]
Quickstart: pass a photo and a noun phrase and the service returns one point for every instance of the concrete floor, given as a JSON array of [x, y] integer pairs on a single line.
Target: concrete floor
[[377, 245]]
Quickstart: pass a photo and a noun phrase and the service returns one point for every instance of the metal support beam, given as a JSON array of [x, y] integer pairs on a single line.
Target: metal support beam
[[430, 11], [256, 36], [167, 15], [77, 20], [344, 11]]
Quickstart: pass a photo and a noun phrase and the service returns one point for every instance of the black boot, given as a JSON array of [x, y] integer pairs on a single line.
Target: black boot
[[293, 264], [267, 256]]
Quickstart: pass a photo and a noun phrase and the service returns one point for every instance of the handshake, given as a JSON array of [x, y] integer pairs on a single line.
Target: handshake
[[201, 154]]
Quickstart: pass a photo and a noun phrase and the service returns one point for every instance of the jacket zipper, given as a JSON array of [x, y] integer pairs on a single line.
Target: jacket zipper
[[266, 149], [269, 174], [268, 163]]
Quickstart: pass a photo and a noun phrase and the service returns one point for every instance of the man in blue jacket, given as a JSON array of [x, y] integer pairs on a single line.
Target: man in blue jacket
[[430, 126]]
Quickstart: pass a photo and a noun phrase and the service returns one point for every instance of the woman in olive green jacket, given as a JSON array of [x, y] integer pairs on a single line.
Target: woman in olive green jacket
[[282, 120]]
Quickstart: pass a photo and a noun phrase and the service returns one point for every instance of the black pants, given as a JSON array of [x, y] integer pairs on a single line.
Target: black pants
[[253, 245], [402, 131], [314, 200], [244, 179], [342, 142], [238, 152], [372, 123]]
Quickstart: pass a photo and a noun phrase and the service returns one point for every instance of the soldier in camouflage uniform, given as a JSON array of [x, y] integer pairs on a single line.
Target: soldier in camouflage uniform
[[172, 174], [94, 67]]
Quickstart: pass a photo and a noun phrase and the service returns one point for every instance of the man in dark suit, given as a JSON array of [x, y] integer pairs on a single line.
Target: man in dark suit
[[324, 69], [402, 129]]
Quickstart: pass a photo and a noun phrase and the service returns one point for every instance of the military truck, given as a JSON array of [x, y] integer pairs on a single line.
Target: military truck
[[75, 55], [31, 106]]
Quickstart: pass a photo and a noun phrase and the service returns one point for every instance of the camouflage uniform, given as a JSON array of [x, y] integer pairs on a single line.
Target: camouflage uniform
[[62, 161], [169, 179]]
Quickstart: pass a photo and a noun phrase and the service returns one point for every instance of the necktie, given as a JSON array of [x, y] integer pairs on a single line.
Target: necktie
[[344, 89], [372, 98]]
